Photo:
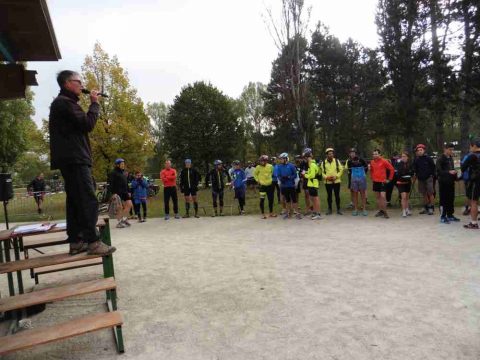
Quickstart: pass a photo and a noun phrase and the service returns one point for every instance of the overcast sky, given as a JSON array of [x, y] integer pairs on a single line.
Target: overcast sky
[[167, 44]]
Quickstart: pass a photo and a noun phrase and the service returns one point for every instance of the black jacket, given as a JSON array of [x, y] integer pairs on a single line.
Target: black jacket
[[444, 165], [37, 185], [217, 179], [424, 167], [403, 172], [189, 179], [69, 126], [118, 183]]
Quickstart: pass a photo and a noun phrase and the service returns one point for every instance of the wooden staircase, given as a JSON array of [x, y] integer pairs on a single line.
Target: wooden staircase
[[75, 327]]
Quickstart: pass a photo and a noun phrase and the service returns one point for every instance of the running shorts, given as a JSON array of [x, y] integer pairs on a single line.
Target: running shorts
[[379, 187], [290, 194]]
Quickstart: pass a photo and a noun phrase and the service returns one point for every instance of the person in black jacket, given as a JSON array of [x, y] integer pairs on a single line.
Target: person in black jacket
[[118, 185], [424, 169], [37, 187], [471, 164], [447, 175], [403, 180], [70, 152], [217, 178], [189, 180]]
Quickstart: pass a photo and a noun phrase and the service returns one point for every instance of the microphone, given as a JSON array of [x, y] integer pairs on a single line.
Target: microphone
[[86, 91]]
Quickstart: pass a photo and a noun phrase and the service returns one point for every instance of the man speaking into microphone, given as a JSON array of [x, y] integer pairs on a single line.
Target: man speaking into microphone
[[70, 152]]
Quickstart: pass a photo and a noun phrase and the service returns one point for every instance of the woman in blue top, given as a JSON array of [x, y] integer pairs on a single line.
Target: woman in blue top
[[287, 177], [239, 184], [139, 191]]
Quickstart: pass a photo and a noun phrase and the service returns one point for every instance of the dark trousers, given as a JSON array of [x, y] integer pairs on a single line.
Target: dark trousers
[[170, 192], [217, 196], [82, 205], [143, 204], [270, 192], [447, 198], [336, 189], [389, 190], [240, 196]]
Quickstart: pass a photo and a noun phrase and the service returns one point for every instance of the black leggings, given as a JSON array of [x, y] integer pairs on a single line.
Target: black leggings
[[217, 196], [269, 191], [170, 192], [144, 208], [336, 189], [447, 198]]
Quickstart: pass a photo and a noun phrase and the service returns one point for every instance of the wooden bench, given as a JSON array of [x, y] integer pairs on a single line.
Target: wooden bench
[[29, 338], [63, 267], [55, 294]]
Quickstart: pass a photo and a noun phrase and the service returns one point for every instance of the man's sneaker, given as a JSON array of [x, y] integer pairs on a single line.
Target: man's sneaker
[[186, 216], [471, 226], [78, 247], [430, 211], [444, 220], [423, 212], [167, 217], [144, 220], [379, 213], [298, 216], [385, 215], [350, 206], [329, 212], [99, 248], [242, 212], [264, 217], [121, 225], [466, 212], [285, 216], [354, 213], [453, 218], [196, 216], [365, 213], [125, 222], [409, 212], [316, 217], [177, 216], [272, 215], [339, 212]]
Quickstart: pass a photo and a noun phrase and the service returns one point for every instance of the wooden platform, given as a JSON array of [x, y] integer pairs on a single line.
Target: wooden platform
[[55, 294], [29, 338], [68, 266], [42, 261]]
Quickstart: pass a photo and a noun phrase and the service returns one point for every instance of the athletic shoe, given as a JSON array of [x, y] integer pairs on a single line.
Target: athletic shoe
[[273, 215], [316, 217], [354, 213], [186, 216], [242, 212], [77, 248], [471, 226], [285, 216], [121, 225], [99, 248], [144, 220], [329, 212], [167, 217], [409, 212], [298, 216], [196, 216], [423, 212], [140, 220], [350, 206], [453, 218], [177, 216], [379, 213], [444, 220], [430, 211], [466, 212], [339, 212], [365, 213], [127, 223], [385, 215], [264, 217]]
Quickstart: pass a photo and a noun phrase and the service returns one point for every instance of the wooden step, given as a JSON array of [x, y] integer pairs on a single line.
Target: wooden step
[[33, 263], [55, 294], [28, 338], [69, 266]]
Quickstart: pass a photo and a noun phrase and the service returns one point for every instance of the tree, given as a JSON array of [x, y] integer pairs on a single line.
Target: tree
[[402, 27], [203, 125], [289, 37], [15, 120], [123, 129], [158, 112], [253, 102]]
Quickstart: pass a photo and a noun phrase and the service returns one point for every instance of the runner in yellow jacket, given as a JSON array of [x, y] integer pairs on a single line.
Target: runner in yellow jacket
[[263, 175], [312, 175], [332, 171]]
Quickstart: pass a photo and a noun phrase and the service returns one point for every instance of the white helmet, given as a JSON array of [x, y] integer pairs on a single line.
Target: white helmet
[[284, 156]]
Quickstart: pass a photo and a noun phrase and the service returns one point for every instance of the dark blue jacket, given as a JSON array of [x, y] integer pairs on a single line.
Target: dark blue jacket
[[239, 179], [424, 167], [139, 188], [286, 174]]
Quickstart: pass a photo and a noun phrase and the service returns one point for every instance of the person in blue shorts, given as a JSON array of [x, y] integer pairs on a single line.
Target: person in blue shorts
[[357, 173]]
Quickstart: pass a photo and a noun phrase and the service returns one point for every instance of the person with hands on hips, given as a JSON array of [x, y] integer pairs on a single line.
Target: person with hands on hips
[[378, 173]]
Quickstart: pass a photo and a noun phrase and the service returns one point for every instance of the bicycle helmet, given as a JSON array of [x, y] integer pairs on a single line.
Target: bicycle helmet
[[217, 162], [283, 156], [420, 146], [236, 162], [307, 152], [328, 150], [119, 161], [188, 161], [263, 158]]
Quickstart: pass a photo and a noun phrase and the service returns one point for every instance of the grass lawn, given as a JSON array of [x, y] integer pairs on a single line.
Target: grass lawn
[[23, 208]]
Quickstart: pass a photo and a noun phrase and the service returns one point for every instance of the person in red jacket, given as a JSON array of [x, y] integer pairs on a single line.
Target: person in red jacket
[[169, 179], [378, 173]]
